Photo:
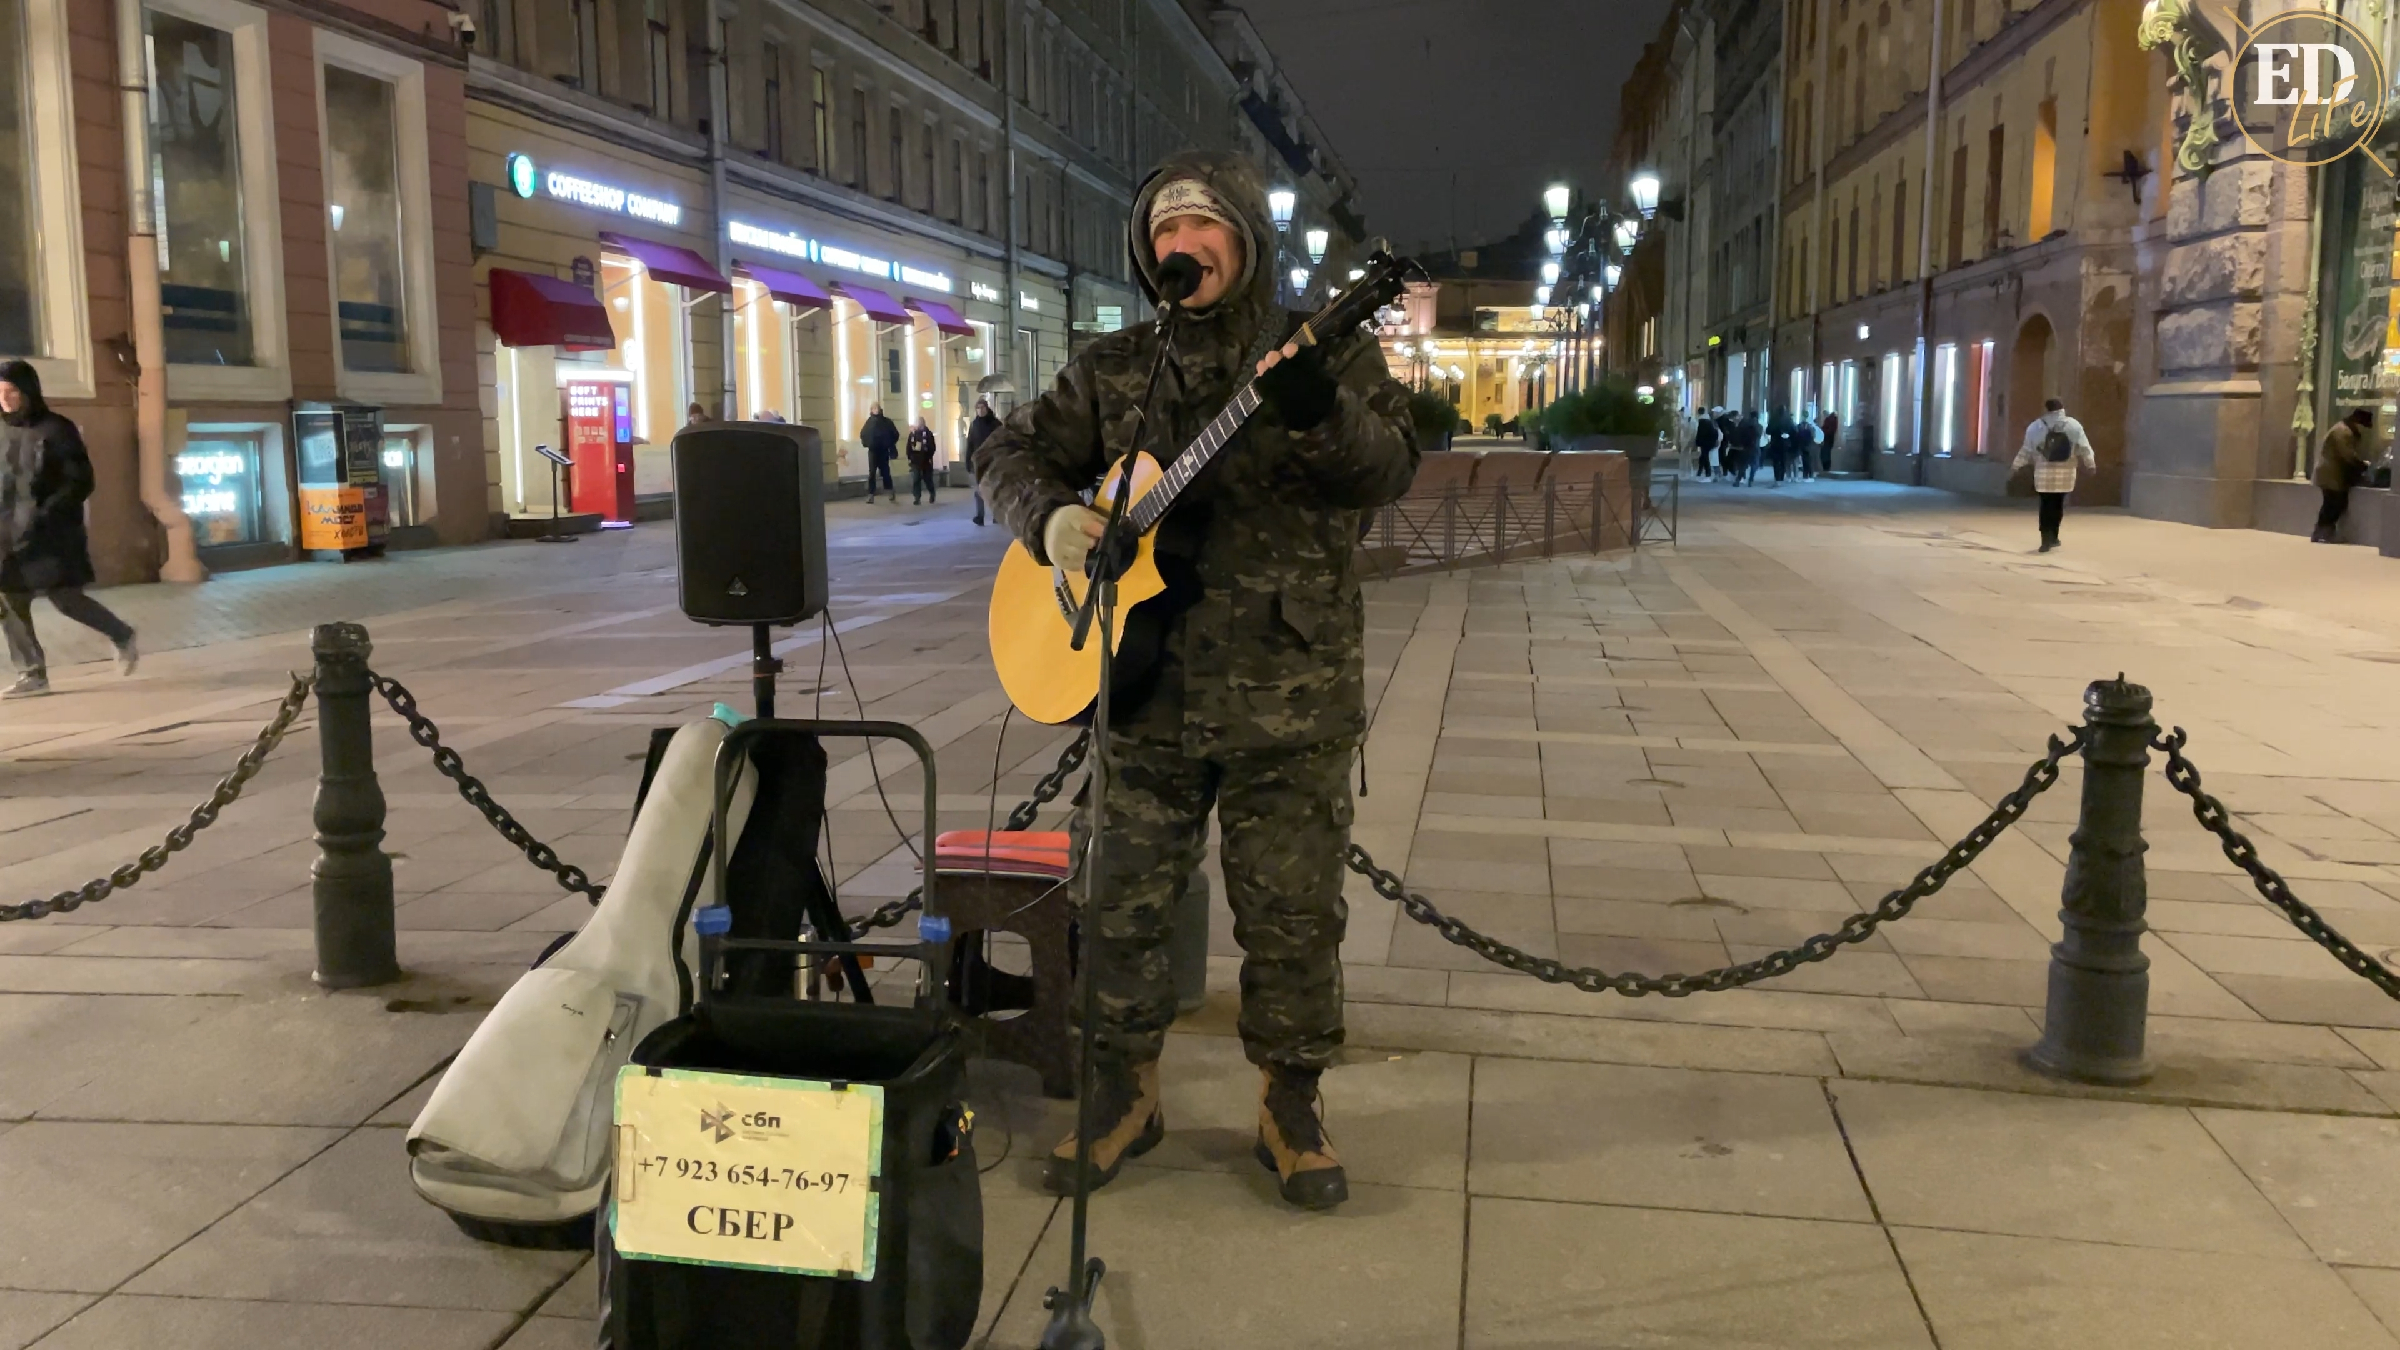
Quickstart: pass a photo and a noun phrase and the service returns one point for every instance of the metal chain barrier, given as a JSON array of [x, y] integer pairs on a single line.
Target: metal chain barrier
[[446, 761], [2184, 776], [1044, 793], [1857, 928], [228, 790]]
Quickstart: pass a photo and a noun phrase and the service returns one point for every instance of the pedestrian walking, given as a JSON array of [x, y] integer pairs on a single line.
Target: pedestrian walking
[[45, 477], [882, 440], [1706, 438], [2054, 446], [978, 431], [2341, 464], [1829, 430], [921, 450]]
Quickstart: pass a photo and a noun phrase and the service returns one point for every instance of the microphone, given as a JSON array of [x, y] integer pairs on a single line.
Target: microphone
[[1178, 277]]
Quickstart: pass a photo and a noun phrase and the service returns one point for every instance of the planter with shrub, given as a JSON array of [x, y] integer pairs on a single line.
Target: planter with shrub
[[1435, 418]]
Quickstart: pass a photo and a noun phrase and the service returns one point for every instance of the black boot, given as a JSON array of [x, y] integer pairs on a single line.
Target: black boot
[[1130, 1121], [1292, 1142]]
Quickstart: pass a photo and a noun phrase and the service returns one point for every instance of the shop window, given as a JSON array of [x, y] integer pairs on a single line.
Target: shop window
[[219, 474], [19, 324], [1849, 403], [407, 476], [820, 118], [1978, 399], [204, 287], [1891, 401], [362, 203], [893, 383], [1945, 392], [771, 64], [1799, 392]]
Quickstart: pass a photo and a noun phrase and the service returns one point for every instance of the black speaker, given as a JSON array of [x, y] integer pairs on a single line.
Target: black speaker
[[750, 522]]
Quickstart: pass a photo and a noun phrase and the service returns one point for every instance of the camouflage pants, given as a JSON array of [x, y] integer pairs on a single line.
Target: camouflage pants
[[1285, 819]]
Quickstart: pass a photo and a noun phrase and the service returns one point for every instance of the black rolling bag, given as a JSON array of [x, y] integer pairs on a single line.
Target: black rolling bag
[[795, 1174]]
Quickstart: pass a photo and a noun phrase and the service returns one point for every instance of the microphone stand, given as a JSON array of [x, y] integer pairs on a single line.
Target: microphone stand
[[1071, 1325]]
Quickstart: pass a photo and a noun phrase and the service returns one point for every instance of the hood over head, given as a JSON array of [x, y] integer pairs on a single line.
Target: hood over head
[[1252, 296], [29, 383]]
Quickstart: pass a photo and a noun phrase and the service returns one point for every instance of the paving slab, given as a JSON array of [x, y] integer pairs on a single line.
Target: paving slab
[[1674, 1138], [1990, 1292], [124, 1195], [26, 1318], [2335, 1180], [348, 1228], [1544, 1275], [2117, 1172], [224, 1324], [1201, 1260]]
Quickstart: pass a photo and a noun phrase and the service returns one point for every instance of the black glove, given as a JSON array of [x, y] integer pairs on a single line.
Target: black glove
[[1299, 389]]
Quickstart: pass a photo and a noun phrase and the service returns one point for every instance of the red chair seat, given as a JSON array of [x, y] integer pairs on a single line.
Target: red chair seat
[[1037, 853]]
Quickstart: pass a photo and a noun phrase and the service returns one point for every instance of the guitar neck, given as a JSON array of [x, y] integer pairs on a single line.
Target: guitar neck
[[1195, 457]]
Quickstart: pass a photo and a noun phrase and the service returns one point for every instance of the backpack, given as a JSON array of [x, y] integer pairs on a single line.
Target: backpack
[[2057, 447]]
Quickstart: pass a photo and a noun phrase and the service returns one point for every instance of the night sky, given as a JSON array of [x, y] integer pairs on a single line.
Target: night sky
[[1453, 114]]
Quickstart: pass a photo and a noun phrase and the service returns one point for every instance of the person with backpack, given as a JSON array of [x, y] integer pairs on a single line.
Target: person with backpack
[[1706, 437], [2341, 465], [2054, 446]]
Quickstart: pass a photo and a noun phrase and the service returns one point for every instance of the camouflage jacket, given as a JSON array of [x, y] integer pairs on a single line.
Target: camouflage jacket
[[1269, 651]]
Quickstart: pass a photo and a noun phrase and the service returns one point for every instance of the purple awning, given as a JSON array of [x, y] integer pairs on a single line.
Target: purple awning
[[945, 318], [879, 307], [789, 287], [670, 263]]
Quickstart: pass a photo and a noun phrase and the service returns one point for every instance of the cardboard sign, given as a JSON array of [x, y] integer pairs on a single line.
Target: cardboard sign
[[720, 1169], [333, 517]]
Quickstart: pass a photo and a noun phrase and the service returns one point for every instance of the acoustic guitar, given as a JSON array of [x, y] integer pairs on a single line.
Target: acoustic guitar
[[1032, 618]]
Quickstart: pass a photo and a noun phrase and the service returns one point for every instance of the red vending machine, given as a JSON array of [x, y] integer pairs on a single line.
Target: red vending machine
[[600, 442]]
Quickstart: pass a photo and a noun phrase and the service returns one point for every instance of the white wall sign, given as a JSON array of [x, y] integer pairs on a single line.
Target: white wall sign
[[793, 245], [567, 187], [989, 295], [1028, 303]]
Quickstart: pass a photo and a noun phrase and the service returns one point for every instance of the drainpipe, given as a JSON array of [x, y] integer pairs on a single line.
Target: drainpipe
[[1933, 129], [721, 105], [182, 562], [1008, 123], [1815, 260]]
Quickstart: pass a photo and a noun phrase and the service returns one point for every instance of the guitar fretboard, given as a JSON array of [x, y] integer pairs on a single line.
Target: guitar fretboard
[[1195, 457]]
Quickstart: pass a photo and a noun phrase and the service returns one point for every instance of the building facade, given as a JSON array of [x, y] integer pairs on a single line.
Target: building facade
[[293, 240], [905, 204]]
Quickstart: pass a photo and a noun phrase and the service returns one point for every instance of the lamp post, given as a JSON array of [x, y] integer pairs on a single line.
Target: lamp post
[[1555, 197], [1628, 233], [1279, 205], [1317, 240]]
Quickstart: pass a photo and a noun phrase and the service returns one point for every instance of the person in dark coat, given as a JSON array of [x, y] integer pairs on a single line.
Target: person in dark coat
[[1749, 441], [2342, 463], [45, 477], [921, 450], [1779, 444], [882, 440], [1829, 433], [984, 425], [1707, 437]]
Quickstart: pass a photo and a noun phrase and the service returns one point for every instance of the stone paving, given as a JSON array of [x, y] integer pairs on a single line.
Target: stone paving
[[1663, 761]]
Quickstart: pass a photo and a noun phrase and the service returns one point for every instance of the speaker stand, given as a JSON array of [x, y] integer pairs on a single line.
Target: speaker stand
[[765, 665], [555, 536]]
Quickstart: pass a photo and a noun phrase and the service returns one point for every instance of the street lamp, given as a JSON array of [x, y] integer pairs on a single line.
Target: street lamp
[[1541, 297], [1358, 274], [1645, 193], [1629, 233], [1597, 293], [1611, 275], [1555, 197], [1556, 238], [1279, 205], [1299, 280], [1317, 239], [1550, 273]]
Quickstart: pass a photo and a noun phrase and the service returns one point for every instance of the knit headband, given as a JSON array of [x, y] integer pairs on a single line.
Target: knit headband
[[1189, 197]]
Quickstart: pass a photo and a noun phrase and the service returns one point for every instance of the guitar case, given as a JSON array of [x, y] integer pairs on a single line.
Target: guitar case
[[515, 1142]]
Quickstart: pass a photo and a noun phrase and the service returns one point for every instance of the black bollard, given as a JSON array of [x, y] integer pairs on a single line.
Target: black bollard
[[2094, 1026], [355, 944]]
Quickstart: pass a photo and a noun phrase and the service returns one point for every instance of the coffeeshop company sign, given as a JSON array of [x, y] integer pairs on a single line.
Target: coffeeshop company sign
[[526, 179], [2309, 87]]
